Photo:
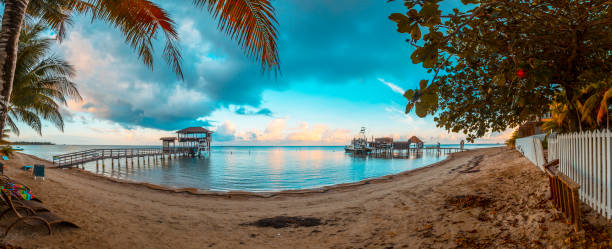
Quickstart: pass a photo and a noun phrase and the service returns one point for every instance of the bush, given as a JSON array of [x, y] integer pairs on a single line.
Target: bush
[[512, 140], [7, 151]]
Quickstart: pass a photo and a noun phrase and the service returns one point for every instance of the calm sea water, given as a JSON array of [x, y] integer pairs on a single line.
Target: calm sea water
[[254, 168]]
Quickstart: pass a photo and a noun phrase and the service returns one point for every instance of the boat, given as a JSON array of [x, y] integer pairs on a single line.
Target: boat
[[359, 145], [17, 148]]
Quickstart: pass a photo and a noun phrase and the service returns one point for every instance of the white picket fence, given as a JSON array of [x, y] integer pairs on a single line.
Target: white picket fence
[[531, 148], [586, 157], [553, 149]]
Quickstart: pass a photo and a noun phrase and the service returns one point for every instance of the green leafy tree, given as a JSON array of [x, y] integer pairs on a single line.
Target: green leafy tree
[[250, 22], [498, 63], [42, 82]]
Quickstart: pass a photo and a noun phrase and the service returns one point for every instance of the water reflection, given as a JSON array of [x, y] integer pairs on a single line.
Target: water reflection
[[258, 168]]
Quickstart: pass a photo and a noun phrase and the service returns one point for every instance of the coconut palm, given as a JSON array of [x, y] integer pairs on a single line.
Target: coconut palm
[[595, 107], [250, 22], [5, 136], [42, 82]]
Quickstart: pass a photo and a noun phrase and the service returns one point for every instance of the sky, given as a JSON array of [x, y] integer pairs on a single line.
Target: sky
[[343, 66]]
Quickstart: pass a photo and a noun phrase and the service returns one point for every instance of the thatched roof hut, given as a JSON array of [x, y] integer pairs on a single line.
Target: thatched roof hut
[[194, 130], [415, 140]]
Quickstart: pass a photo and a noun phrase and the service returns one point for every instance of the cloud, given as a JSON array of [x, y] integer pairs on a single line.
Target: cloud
[[319, 133], [393, 87], [277, 133], [249, 111], [225, 132], [319, 41]]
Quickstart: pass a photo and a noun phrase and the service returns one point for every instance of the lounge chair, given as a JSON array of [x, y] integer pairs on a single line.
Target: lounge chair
[[23, 198], [5, 180], [30, 206], [5, 158], [8, 199], [47, 218]]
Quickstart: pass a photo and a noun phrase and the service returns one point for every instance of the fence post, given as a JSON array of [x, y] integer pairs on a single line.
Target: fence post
[[608, 175]]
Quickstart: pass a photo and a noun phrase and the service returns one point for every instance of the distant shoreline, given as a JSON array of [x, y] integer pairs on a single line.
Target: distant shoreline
[[31, 143]]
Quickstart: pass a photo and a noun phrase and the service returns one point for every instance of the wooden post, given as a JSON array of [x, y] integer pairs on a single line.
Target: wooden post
[[577, 210]]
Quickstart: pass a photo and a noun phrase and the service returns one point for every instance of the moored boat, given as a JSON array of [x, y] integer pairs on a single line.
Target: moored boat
[[359, 145]]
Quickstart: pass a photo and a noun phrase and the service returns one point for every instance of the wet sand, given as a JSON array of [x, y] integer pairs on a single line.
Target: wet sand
[[475, 199]]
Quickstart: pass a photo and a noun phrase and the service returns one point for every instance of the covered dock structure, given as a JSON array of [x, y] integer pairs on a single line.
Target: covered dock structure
[[196, 139], [387, 147], [192, 141]]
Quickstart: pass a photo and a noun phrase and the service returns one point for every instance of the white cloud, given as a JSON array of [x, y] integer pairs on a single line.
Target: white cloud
[[277, 133], [393, 87]]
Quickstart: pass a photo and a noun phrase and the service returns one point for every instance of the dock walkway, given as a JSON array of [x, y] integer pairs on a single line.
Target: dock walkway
[[81, 157]]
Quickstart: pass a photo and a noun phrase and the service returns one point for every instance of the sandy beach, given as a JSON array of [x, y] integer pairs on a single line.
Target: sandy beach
[[475, 199]]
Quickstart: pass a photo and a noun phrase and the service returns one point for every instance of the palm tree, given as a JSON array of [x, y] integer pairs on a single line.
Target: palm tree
[[42, 82], [5, 135], [595, 106], [250, 22]]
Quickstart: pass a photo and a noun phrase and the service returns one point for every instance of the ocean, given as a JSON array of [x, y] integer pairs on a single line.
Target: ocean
[[254, 168]]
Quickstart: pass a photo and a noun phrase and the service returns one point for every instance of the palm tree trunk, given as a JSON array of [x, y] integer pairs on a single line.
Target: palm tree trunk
[[14, 13]]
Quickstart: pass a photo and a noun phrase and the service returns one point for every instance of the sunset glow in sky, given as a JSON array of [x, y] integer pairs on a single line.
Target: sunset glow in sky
[[343, 66]]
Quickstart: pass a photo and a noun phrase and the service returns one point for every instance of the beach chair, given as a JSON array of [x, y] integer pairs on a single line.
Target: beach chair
[[39, 171], [26, 167], [47, 218], [20, 218], [5, 158], [30, 206], [25, 199], [5, 180]]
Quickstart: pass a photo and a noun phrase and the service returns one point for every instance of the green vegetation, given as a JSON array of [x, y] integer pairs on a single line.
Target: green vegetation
[[250, 22], [7, 151], [31, 143], [42, 82], [500, 63], [511, 142]]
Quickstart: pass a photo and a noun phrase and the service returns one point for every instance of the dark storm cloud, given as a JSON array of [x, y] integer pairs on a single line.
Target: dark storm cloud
[[327, 42]]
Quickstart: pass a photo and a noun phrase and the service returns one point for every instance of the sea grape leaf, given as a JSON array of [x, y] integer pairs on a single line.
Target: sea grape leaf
[[408, 108], [420, 109], [423, 84], [409, 94], [416, 32]]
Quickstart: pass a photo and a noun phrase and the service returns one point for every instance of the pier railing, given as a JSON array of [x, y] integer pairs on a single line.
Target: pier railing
[[81, 157]]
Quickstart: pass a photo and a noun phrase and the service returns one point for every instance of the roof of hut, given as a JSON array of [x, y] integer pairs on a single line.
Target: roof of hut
[[193, 130], [384, 140], [168, 138], [415, 139]]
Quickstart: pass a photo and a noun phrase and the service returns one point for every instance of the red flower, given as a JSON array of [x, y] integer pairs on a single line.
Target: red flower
[[520, 73]]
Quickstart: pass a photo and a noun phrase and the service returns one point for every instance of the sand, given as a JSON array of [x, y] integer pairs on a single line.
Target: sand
[[504, 205]]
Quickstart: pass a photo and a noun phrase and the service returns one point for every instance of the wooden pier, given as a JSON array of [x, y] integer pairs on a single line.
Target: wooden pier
[[385, 147], [407, 152], [97, 155], [193, 141]]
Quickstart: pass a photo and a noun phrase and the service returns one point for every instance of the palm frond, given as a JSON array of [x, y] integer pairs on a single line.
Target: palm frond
[[140, 21], [252, 23], [28, 117], [11, 124], [42, 83]]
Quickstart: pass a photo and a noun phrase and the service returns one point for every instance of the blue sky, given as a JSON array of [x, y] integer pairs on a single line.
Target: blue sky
[[343, 66]]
